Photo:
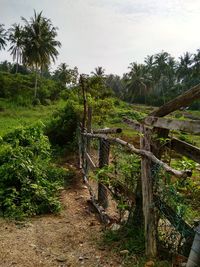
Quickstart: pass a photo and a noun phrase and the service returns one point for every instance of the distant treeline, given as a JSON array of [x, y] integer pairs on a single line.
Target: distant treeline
[[159, 79], [33, 45]]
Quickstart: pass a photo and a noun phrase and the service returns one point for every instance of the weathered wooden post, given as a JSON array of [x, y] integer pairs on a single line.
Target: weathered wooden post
[[147, 195], [87, 142], [194, 257], [89, 126], [104, 150]]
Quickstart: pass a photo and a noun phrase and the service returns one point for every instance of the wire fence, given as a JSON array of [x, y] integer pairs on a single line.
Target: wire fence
[[112, 174]]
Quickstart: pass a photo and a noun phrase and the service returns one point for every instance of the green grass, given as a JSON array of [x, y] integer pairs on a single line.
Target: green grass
[[13, 116], [132, 240]]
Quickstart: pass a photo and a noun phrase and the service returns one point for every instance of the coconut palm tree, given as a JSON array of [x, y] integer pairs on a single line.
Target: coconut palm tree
[[138, 81], [63, 74], [99, 72], [40, 46], [163, 73], [17, 44], [3, 37], [184, 69]]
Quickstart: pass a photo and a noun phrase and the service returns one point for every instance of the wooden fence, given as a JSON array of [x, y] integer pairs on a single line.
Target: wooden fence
[[152, 129]]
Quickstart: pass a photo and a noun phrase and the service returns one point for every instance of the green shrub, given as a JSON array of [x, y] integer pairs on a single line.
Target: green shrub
[[62, 128], [28, 182], [36, 101]]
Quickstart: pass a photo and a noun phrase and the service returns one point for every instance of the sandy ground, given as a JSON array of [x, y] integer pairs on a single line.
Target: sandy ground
[[69, 239]]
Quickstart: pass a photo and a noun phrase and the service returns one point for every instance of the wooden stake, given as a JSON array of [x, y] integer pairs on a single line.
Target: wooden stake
[[147, 193], [104, 149]]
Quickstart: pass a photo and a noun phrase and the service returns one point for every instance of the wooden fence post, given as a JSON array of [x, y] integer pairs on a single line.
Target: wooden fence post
[[104, 149], [147, 194], [89, 126]]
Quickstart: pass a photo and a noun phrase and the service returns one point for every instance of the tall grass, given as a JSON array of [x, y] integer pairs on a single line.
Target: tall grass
[[12, 115]]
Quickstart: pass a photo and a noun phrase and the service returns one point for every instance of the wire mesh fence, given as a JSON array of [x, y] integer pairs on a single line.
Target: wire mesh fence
[[112, 174]]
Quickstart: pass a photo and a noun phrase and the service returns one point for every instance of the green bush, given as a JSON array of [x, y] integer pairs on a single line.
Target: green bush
[[28, 182], [62, 128]]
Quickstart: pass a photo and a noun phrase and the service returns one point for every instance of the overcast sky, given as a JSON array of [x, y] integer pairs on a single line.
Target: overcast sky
[[113, 33]]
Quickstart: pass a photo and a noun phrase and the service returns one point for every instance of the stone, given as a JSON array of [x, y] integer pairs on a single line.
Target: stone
[[124, 252], [149, 264], [61, 258]]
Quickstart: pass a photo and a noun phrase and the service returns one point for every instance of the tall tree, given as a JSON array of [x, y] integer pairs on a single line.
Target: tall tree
[[63, 74], [138, 82], [66, 75], [99, 72], [40, 46], [163, 73], [116, 84], [3, 37], [184, 69], [16, 35]]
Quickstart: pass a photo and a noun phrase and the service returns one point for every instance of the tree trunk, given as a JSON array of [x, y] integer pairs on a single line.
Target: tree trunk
[[36, 83], [17, 64]]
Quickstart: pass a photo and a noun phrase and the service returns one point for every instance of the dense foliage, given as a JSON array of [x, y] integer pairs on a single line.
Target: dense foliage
[[29, 183], [62, 127], [159, 79], [20, 88]]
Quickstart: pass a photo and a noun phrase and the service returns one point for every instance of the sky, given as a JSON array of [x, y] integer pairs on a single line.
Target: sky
[[112, 33]]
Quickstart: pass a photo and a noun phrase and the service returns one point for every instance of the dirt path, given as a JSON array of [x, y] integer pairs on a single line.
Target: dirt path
[[69, 239]]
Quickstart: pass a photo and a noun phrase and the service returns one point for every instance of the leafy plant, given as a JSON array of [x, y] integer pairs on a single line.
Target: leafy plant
[[62, 128], [29, 182]]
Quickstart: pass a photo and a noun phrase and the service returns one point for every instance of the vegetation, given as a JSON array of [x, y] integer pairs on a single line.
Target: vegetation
[[29, 182], [3, 36], [20, 89], [159, 79]]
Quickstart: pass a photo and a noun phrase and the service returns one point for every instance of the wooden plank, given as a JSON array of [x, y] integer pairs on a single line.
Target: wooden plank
[[147, 197], [104, 218], [108, 130], [90, 161], [183, 100], [185, 149], [171, 124], [142, 152], [134, 124]]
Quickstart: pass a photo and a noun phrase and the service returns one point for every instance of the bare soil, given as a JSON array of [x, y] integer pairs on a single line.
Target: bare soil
[[71, 238]]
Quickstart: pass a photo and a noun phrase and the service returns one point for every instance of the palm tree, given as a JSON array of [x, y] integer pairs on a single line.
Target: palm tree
[[3, 37], [138, 81], [63, 74], [150, 62], [40, 46], [116, 84], [99, 72], [163, 73], [184, 69], [16, 41]]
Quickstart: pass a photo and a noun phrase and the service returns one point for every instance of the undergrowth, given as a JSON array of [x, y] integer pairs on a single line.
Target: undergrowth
[[130, 241], [29, 182]]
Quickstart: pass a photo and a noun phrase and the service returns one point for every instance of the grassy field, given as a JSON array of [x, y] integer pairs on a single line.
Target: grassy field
[[13, 116]]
